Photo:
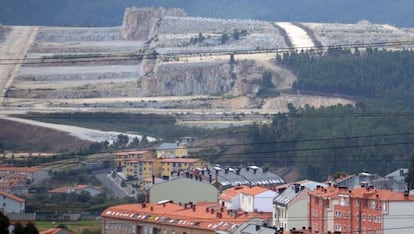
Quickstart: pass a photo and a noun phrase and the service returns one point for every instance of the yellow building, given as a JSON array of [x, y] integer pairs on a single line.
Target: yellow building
[[175, 165], [122, 157], [172, 150], [141, 168]]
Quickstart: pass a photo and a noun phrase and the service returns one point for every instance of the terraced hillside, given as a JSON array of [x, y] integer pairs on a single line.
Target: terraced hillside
[[160, 61]]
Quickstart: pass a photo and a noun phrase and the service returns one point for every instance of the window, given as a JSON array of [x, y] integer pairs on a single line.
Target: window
[[338, 227], [373, 205], [363, 217], [357, 216], [338, 214], [369, 218]]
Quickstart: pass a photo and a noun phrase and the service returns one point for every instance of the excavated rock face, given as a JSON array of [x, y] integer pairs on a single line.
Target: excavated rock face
[[182, 80], [139, 23]]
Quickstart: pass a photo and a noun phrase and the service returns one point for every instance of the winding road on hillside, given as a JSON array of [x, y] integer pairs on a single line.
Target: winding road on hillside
[[299, 37]]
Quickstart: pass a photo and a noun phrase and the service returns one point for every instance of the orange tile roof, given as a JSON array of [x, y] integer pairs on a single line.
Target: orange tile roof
[[228, 194], [20, 169], [383, 195], [253, 191], [204, 215], [11, 196], [369, 193]]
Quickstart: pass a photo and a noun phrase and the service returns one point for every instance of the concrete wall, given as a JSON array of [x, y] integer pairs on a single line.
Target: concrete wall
[[400, 216], [264, 201], [183, 190]]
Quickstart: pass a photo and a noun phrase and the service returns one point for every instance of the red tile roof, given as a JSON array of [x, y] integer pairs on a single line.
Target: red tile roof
[[203, 215], [370, 193], [20, 169], [11, 196], [228, 194]]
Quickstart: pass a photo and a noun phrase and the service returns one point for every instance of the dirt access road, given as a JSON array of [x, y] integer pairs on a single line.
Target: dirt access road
[[12, 52]]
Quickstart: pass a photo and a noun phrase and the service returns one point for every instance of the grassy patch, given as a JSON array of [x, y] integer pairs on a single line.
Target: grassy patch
[[93, 226]]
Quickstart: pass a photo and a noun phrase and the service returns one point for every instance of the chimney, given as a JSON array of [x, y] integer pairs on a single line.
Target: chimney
[[254, 171], [143, 205], [226, 171], [207, 210], [247, 168], [211, 211], [222, 204], [257, 227], [152, 208], [194, 208], [238, 171]]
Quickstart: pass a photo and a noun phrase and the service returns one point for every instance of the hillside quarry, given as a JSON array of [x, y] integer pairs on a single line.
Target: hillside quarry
[[162, 61]]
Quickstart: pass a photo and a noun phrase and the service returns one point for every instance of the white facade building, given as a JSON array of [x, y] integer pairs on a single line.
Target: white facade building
[[10, 203], [257, 199]]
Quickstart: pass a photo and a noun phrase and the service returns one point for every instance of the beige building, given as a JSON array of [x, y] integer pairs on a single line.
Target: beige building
[[122, 157]]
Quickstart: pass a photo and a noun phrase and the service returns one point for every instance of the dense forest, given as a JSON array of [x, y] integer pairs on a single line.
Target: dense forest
[[375, 135], [378, 75], [110, 13]]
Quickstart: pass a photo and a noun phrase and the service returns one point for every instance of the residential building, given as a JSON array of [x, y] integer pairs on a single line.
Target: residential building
[[167, 217], [290, 206], [255, 226], [248, 198], [122, 157], [172, 150], [10, 203], [142, 168], [360, 210], [26, 172], [183, 190], [171, 166], [292, 203], [251, 175]]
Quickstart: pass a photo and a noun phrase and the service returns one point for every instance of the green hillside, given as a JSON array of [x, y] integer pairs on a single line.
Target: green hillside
[[375, 135]]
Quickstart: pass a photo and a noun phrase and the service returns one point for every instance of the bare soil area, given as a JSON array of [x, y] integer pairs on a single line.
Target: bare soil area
[[32, 138]]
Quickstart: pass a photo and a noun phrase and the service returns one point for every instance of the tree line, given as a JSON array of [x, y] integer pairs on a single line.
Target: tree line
[[373, 135]]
